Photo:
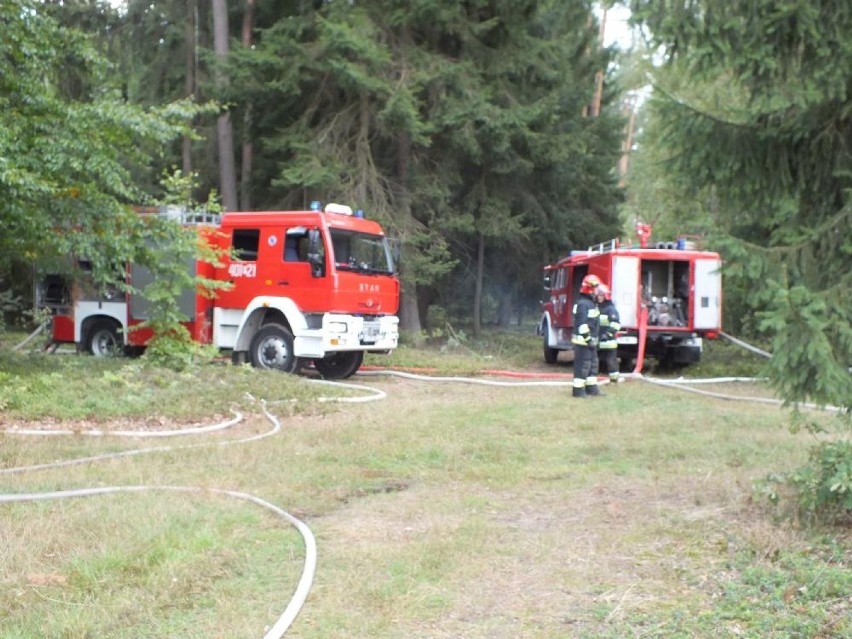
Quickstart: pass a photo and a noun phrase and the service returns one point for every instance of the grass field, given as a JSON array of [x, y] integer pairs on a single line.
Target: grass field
[[444, 510]]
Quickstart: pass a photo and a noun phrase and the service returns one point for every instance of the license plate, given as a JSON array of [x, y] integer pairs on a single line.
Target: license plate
[[370, 333]]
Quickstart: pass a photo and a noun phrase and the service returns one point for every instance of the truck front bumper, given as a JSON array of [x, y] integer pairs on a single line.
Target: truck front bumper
[[348, 333]]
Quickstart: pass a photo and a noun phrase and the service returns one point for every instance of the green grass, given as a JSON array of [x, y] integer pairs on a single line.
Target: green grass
[[74, 387], [463, 354], [444, 510], [721, 358], [791, 594]]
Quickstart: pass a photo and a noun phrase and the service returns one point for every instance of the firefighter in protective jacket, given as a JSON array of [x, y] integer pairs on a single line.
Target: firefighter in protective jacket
[[585, 339], [609, 326]]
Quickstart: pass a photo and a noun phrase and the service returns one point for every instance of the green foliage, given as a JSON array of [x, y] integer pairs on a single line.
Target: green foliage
[[791, 593], [824, 485], [9, 303], [755, 119], [812, 346], [450, 123], [447, 122], [69, 150], [171, 254], [173, 347]]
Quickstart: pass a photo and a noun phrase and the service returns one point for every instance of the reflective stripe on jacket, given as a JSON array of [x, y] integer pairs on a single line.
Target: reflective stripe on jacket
[[609, 325], [586, 316]]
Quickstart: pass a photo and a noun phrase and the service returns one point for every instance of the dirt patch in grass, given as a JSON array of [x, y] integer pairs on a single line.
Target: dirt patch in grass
[[461, 510], [545, 561], [558, 554], [140, 424]]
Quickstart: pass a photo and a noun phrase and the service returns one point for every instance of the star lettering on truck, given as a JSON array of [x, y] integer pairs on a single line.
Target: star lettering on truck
[[368, 288]]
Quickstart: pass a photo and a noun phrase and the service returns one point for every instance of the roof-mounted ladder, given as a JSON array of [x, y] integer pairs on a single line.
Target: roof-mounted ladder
[[604, 247]]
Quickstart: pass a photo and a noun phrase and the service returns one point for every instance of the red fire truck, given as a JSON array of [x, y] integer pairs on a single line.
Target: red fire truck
[[669, 298], [305, 286]]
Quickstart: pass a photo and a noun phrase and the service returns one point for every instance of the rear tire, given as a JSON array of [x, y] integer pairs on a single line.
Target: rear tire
[[626, 364], [272, 349], [103, 340], [339, 365]]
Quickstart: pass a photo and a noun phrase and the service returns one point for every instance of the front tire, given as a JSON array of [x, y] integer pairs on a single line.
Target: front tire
[[550, 354], [339, 365], [102, 339], [272, 349]]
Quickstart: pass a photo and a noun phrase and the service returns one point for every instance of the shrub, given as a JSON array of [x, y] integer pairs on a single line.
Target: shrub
[[822, 488]]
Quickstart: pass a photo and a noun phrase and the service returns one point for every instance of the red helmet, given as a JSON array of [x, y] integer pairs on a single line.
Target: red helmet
[[589, 284], [603, 289]]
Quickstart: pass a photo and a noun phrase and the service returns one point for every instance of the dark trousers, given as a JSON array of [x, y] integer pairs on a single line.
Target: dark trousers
[[585, 363], [609, 360]]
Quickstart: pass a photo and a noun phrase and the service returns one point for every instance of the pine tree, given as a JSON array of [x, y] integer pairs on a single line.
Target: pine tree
[[458, 124], [770, 140]]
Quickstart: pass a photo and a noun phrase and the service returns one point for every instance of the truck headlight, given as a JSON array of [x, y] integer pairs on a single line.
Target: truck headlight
[[337, 327]]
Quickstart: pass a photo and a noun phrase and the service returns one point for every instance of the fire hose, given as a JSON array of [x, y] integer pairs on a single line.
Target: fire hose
[[746, 346], [305, 581], [297, 601], [299, 597], [643, 335], [31, 336]]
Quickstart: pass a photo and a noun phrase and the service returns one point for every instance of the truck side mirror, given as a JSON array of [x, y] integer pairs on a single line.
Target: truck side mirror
[[546, 283], [396, 253], [316, 255]]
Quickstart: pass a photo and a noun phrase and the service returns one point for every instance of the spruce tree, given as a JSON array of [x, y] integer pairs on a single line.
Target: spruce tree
[[769, 139]]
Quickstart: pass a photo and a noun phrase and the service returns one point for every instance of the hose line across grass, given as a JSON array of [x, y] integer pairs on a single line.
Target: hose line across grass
[[299, 597], [305, 581]]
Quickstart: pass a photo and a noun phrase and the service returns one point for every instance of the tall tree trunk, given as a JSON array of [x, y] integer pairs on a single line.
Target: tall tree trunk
[[224, 128], [409, 311], [504, 312], [190, 75], [248, 148], [627, 144], [599, 76], [477, 295]]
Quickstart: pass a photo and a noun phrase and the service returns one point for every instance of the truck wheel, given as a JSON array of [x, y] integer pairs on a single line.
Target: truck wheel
[[550, 354], [272, 348], [339, 365], [102, 339]]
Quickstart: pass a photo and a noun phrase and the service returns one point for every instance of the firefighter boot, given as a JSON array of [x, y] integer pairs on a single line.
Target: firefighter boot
[[579, 391], [593, 390]]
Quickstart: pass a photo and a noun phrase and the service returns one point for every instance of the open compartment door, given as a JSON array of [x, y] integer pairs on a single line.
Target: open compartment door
[[707, 295], [625, 289]]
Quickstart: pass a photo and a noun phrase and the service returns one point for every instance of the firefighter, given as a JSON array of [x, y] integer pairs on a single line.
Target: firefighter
[[609, 326], [585, 339]]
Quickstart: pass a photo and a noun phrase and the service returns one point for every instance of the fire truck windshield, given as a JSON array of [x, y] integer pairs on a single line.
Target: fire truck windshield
[[361, 252]]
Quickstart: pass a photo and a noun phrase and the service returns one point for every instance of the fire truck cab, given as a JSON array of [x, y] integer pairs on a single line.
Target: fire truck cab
[[303, 286], [674, 287]]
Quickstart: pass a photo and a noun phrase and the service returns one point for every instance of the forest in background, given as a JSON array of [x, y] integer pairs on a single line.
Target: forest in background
[[470, 130], [474, 131]]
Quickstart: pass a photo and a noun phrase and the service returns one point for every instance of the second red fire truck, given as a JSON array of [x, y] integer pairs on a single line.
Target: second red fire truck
[[669, 296], [304, 286]]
